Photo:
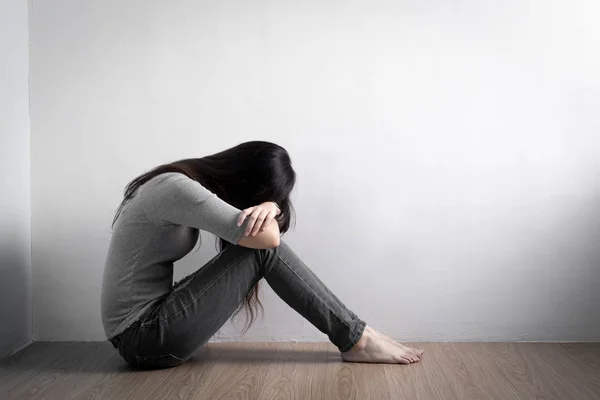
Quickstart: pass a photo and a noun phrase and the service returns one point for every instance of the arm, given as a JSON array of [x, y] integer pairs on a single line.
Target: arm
[[174, 198]]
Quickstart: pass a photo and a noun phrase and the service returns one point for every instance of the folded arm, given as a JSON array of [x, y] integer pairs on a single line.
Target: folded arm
[[175, 198]]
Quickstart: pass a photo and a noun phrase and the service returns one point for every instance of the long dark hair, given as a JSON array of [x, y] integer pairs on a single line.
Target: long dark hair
[[246, 175]]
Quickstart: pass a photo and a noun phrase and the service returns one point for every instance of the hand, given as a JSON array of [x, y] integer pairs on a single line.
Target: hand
[[259, 217]]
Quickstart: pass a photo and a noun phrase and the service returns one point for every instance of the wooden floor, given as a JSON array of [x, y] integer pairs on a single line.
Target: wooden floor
[[307, 371]]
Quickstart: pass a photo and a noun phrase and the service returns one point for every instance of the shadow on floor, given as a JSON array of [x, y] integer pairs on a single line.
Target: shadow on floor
[[84, 357], [262, 353]]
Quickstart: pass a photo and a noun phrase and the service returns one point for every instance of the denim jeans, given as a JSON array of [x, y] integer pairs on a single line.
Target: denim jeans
[[185, 319]]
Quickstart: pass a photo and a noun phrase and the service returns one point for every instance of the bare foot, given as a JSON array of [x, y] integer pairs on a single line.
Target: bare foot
[[411, 350], [372, 348]]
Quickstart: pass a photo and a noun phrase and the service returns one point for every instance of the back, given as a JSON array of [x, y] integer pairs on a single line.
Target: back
[[157, 227]]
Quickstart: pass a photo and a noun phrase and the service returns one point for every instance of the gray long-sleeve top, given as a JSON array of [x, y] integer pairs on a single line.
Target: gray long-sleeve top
[[159, 226]]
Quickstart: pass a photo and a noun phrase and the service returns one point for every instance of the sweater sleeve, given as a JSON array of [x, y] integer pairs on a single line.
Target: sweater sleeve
[[175, 198]]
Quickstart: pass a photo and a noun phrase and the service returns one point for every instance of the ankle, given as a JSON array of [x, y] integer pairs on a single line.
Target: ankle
[[362, 342]]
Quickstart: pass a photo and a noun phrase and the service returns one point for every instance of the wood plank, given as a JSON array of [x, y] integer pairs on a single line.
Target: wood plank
[[567, 376], [294, 374], [339, 377], [273, 371], [355, 381], [537, 370], [414, 381], [485, 372], [47, 366]]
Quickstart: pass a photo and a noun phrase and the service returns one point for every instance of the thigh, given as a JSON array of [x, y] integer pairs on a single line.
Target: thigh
[[197, 307]]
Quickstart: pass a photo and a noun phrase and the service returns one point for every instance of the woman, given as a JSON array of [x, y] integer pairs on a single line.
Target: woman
[[154, 324]]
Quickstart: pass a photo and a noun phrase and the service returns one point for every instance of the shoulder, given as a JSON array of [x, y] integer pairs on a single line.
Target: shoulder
[[166, 181], [171, 185], [168, 177]]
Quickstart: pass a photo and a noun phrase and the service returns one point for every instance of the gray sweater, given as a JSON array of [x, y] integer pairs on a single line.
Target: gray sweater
[[156, 228]]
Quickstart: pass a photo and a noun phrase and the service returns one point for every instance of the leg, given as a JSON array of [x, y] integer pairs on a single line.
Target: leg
[[372, 346], [201, 303], [300, 288]]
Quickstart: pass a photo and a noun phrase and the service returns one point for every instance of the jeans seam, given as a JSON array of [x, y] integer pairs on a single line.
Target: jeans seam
[[231, 264], [313, 291]]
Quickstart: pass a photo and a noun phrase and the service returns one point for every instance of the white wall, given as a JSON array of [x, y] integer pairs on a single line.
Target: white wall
[[447, 152], [15, 212]]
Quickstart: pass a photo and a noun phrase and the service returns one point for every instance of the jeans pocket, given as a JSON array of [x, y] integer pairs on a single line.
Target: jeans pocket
[[157, 362]]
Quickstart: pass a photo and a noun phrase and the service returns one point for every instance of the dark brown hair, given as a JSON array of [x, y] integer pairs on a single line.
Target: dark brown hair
[[246, 175]]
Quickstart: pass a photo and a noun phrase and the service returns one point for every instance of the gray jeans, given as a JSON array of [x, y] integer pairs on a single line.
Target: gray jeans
[[174, 329]]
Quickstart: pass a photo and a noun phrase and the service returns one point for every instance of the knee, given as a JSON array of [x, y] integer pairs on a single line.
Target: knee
[[267, 257], [281, 246]]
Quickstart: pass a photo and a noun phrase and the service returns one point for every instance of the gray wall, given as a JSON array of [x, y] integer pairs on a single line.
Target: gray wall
[[15, 210], [447, 152]]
